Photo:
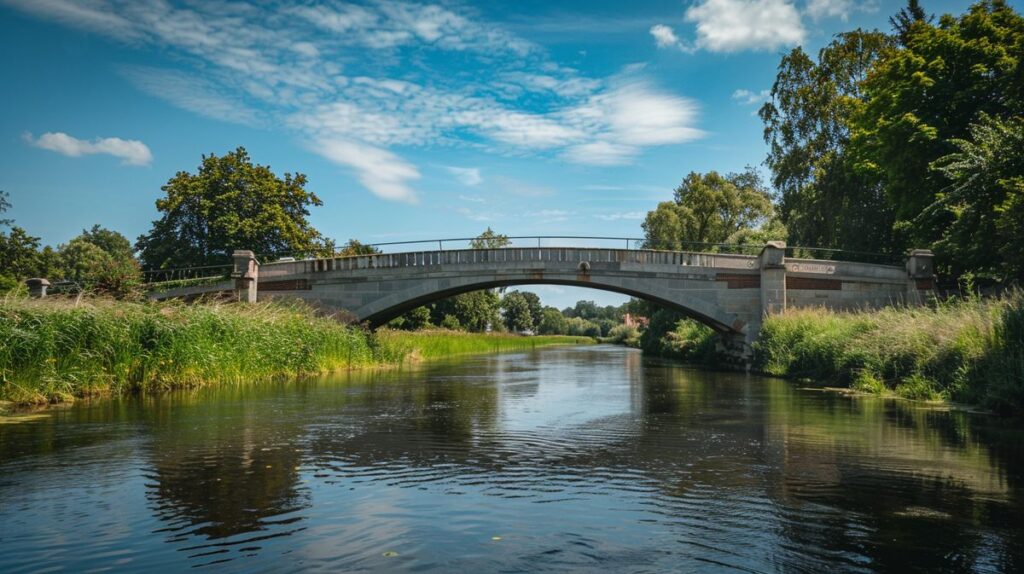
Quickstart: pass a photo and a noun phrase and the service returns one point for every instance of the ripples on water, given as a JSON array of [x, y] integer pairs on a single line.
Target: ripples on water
[[562, 459]]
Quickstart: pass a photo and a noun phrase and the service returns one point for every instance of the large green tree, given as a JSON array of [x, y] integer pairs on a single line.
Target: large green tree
[[101, 260], [231, 203], [922, 98], [824, 200], [490, 240], [708, 208]]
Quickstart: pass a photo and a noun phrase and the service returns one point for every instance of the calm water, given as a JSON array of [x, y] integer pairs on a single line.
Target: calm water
[[557, 460]]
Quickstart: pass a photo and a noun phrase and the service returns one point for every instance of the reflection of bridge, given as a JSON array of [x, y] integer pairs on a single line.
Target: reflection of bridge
[[730, 293]]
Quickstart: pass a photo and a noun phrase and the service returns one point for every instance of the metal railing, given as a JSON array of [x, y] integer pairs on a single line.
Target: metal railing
[[185, 275]]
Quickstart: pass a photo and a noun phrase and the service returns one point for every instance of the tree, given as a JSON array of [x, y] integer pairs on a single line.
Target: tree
[[903, 21], [552, 322], [5, 204], [19, 255], [490, 240], [986, 198], [475, 311], [517, 315], [923, 98], [355, 247], [101, 260], [229, 204], [824, 200], [708, 208]]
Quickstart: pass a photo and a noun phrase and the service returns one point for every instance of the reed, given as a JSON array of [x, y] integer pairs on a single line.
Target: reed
[[56, 350], [967, 350], [437, 343]]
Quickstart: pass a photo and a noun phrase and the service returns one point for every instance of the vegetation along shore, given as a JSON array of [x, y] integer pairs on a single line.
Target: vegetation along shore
[[57, 350]]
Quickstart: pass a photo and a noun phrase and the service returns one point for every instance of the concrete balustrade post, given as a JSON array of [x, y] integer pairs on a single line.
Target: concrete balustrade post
[[37, 287], [773, 278], [246, 275], [920, 275]]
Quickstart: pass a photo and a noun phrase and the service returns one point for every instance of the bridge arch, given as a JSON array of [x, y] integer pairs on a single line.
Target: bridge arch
[[389, 307]]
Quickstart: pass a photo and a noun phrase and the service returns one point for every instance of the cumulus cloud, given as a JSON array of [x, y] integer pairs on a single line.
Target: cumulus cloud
[[466, 175], [131, 152], [736, 25], [665, 37], [749, 98]]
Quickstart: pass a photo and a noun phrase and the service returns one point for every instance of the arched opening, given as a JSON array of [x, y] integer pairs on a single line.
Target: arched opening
[[390, 307]]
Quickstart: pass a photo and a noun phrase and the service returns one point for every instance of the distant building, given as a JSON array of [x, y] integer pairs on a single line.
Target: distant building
[[630, 320]]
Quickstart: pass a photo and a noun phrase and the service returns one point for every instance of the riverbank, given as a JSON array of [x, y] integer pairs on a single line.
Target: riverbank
[[968, 351], [56, 351]]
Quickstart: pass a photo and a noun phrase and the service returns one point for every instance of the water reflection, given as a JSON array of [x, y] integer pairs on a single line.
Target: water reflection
[[573, 458]]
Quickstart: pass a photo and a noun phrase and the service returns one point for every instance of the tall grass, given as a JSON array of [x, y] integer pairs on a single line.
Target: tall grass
[[54, 350], [437, 343], [970, 351]]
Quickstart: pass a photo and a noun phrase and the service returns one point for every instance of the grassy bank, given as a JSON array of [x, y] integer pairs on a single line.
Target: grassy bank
[[969, 351], [54, 350], [434, 344]]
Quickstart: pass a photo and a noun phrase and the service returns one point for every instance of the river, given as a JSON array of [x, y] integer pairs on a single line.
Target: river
[[560, 459]]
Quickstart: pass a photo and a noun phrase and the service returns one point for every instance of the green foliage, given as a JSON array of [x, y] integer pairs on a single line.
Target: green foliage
[[708, 208], [823, 200], [19, 254], [438, 344], [920, 99], [970, 351], [101, 260], [552, 322], [516, 312], [490, 240], [475, 311], [624, 335], [451, 322], [670, 334], [986, 199], [355, 247], [52, 350], [228, 204]]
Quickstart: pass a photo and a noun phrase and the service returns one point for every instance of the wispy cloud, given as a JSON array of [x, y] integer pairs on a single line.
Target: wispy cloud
[[131, 152], [466, 175], [621, 215], [304, 67], [749, 98], [821, 9]]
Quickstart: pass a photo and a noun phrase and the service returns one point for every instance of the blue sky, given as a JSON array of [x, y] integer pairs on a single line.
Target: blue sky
[[411, 120]]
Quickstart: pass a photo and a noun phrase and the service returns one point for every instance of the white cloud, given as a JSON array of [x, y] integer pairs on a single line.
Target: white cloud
[[466, 175], [749, 98], [622, 215], [736, 25], [131, 152], [472, 199], [665, 37], [600, 153], [382, 172], [474, 215], [821, 9]]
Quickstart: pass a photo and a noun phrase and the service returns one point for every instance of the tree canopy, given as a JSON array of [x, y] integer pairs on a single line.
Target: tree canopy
[[708, 208], [228, 204]]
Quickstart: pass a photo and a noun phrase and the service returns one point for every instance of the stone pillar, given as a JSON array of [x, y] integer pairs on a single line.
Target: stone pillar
[[37, 287], [920, 275], [246, 275], [773, 278]]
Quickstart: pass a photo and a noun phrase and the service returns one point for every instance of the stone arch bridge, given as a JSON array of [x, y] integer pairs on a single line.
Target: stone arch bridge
[[730, 293]]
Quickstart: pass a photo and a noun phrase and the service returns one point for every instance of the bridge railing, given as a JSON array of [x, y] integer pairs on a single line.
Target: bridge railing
[[185, 276]]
